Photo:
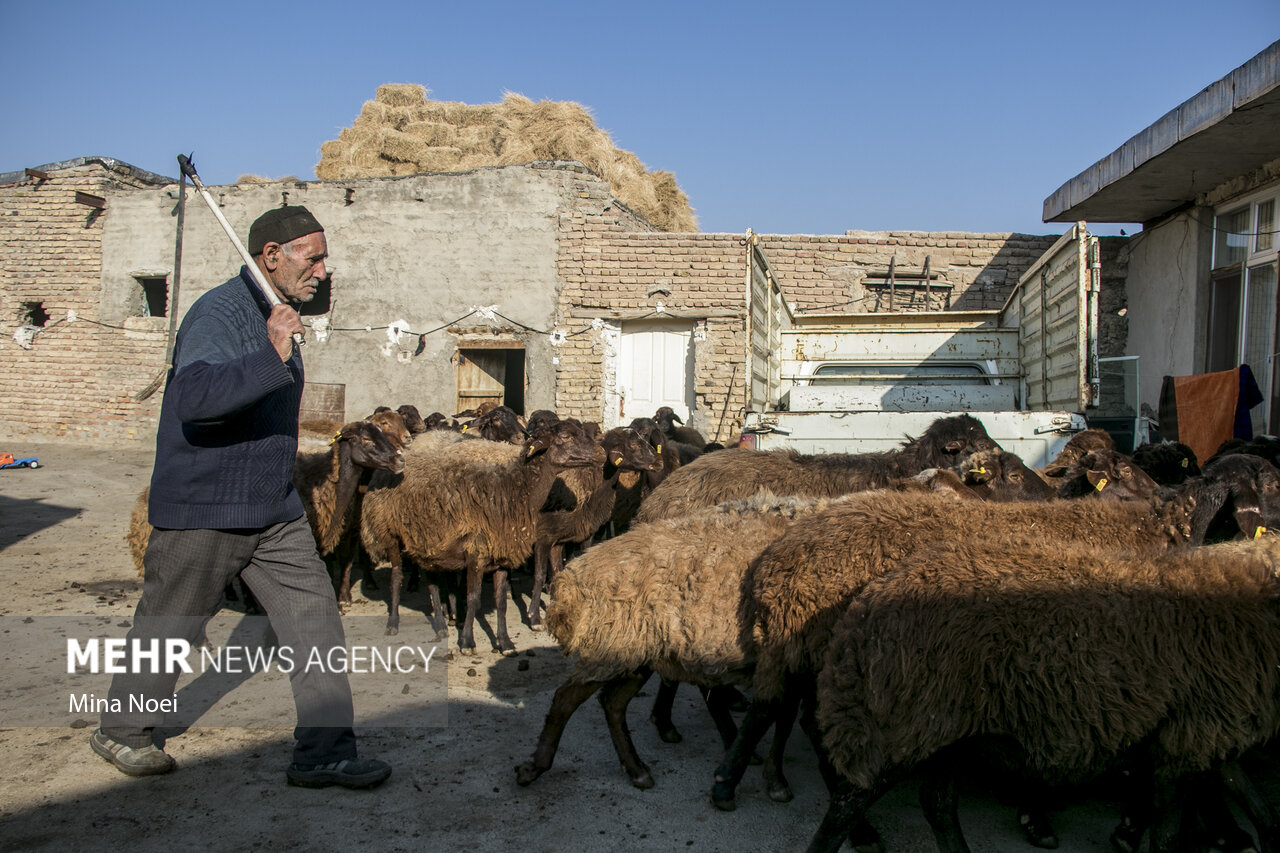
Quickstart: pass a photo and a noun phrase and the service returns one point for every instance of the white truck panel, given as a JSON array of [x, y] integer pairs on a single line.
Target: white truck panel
[[1036, 437]]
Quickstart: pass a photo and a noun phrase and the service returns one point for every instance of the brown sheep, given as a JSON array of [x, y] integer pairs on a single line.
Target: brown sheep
[[858, 540], [864, 537], [594, 492], [660, 598], [736, 474], [1108, 474], [468, 506], [1078, 445], [1075, 656]]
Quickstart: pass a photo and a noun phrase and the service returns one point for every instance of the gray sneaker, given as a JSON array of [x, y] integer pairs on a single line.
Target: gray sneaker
[[349, 773], [134, 761]]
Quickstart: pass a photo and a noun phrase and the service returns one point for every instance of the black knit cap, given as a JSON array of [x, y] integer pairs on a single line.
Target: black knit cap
[[281, 225]]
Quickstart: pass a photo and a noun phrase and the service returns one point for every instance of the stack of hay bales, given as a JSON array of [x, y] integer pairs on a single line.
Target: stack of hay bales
[[402, 133]]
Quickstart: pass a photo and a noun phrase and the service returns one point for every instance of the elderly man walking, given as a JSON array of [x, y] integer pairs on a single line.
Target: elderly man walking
[[222, 503]]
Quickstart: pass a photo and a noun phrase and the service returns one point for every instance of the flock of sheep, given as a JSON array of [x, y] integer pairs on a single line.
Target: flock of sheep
[[917, 610]]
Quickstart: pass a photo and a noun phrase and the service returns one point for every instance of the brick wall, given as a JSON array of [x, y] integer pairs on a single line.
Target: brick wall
[[615, 275], [77, 379]]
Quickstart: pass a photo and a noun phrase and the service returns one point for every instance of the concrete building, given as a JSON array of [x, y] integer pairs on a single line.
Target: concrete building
[[1204, 181], [528, 284]]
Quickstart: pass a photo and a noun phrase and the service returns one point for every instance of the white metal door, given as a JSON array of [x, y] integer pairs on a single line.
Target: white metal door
[[655, 368]]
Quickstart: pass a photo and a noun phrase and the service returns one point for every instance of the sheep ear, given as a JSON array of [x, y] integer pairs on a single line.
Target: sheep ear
[[955, 445], [1097, 479], [676, 418], [977, 475]]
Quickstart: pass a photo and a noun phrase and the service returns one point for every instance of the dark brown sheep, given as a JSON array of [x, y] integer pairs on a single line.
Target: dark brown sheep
[[1109, 654], [735, 473], [468, 506], [1167, 462], [1107, 474], [412, 419], [666, 419], [593, 498], [1078, 445]]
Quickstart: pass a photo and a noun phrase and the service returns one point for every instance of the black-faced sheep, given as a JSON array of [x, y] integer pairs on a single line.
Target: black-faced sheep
[[468, 506], [666, 419], [1076, 657], [735, 474], [499, 423], [412, 419], [634, 487], [1168, 462], [593, 496]]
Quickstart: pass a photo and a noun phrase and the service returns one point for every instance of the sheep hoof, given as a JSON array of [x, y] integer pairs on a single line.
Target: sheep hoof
[[467, 650], [507, 653], [722, 796], [441, 636], [535, 626], [392, 630], [526, 773], [644, 781], [1037, 831], [865, 839], [780, 793]]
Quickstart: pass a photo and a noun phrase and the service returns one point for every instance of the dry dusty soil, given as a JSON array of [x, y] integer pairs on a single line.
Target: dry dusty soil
[[67, 570]]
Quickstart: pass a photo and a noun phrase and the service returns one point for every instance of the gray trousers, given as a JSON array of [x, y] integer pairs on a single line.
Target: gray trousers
[[186, 572]]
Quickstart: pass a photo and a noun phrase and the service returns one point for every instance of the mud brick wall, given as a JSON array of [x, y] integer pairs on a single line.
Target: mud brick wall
[[77, 379]]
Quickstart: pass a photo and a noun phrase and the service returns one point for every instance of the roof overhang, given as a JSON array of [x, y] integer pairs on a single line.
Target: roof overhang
[[1229, 129]]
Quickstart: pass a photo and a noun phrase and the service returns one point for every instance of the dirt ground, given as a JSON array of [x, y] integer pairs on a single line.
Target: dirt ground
[[62, 546]]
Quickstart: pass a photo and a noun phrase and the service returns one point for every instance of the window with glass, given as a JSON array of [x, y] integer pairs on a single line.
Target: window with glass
[[1243, 310]]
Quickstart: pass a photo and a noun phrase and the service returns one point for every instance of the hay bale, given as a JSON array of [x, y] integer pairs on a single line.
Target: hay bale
[[402, 94], [252, 179], [401, 132]]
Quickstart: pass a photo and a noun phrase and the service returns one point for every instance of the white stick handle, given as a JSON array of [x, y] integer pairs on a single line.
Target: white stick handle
[[254, 272]]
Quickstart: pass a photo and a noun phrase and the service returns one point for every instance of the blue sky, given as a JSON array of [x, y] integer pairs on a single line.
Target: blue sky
[[802, 117]]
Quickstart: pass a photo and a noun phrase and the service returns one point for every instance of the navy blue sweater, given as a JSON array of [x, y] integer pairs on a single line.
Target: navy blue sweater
[[228, 429]]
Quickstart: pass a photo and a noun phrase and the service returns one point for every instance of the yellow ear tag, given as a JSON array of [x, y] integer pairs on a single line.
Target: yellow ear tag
[[1186, 463], [464, 429], [1257, 534], [618, 461], [977, 470], [1102, 484], [530, 453], [659, 449], [337, 435]]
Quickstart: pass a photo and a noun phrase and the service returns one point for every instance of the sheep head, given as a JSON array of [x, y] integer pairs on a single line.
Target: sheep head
[[1252, 493], [564, 444], [1107, 474], [997, 475], [499, 423], [412, 419], [947, 439], [666, 419], [1079, 444], [626, 449], [392, 425]]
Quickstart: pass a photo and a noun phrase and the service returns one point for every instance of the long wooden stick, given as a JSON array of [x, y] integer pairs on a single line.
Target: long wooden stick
[[189, 169]]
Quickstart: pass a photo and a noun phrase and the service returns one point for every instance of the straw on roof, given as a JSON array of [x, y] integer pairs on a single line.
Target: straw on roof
[[401, 132]]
